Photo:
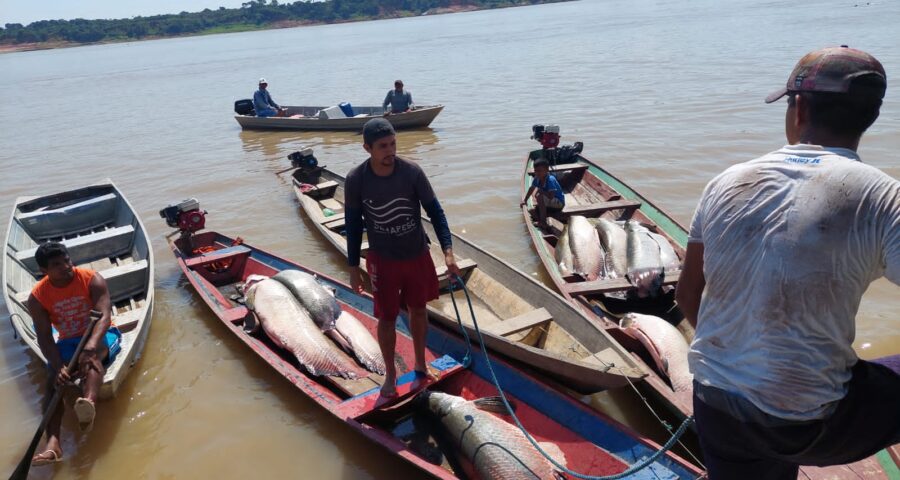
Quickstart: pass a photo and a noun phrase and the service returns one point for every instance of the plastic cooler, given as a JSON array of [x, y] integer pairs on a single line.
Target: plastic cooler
[[347, 109]]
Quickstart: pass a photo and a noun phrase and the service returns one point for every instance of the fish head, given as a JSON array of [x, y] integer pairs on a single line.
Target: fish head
[[441, 404]]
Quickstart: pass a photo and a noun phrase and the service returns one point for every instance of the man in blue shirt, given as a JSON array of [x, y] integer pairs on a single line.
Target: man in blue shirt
[[263, 103], [400, 101], [549, 193]]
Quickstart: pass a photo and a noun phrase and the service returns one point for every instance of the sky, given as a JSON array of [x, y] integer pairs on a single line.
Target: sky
[[27, 11]]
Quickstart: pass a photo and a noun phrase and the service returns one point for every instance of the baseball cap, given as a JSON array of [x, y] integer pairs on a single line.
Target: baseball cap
[[830, 69], [375, 129], [262, 81]]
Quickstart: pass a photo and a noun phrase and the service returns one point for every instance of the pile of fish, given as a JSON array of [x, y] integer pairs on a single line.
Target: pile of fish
[[497, 449], [598, 248], [299, 315]]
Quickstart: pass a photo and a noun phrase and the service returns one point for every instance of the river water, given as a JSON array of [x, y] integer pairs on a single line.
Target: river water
[[663, 93]]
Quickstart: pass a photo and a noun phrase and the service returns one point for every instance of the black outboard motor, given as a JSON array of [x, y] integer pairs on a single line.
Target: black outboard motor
[[308, 169], [569, 153], [244, 107]]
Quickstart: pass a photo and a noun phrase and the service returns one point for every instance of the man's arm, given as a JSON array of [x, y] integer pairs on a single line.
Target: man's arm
[[102, 304], [442, 230], [44, 331], [387, 99], [354, 226], [527, 194], [691, 283], [409, 103]]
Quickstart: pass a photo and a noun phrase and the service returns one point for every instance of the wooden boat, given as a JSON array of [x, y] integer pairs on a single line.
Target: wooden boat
[[591, 442], [102, 232], [594, 192], [419, 117], [518, 316]]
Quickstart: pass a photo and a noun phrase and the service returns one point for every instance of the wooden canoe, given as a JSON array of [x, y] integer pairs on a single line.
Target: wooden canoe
[[102, 232], [419, 117], [593, 192], [591, 442], [519, 317]]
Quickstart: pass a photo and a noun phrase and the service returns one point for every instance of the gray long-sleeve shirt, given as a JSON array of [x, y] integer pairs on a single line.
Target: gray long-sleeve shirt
[[262, 100]]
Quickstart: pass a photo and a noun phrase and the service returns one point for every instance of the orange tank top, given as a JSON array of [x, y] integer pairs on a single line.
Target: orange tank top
[[69, 306]]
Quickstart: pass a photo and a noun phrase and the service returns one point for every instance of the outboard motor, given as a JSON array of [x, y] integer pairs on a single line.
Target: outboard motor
[[244, 107], [547, 136], [308, 169], [185, 216], [569, 153]]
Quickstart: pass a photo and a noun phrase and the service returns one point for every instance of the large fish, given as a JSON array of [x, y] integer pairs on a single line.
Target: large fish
[[645, 269], [667, 256], [666, 345], [615, 243], [290, 327], [316, 299], [579, 249], [340, 326], [496, 448]]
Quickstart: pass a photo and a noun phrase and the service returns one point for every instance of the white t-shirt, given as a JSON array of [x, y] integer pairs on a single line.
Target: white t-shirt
[[791, 242]]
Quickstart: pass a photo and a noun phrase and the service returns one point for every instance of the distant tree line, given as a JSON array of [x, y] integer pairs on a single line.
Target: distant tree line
[[255, 14]]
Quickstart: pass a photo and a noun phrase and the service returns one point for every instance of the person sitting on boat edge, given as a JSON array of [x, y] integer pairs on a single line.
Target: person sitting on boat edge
[[547, 191], [781, 250], [400, 100], [263, 103], [64, 299], [386, 194]]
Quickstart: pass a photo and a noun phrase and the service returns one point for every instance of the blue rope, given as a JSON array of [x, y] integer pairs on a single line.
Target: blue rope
[[467, 360]]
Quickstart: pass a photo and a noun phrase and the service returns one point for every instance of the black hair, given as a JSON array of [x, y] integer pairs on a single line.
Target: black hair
[[49, 250], [541, 162], [850, 113]]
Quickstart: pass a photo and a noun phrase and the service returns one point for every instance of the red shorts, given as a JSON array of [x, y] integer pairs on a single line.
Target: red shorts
[[396, 283]]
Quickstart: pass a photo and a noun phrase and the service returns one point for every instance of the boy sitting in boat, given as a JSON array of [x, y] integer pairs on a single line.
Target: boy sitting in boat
[[64, 299], [549, 195]]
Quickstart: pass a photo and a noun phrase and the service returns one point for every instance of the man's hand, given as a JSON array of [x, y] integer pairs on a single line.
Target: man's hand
[[356, 280], [452, 268], [62, 376]]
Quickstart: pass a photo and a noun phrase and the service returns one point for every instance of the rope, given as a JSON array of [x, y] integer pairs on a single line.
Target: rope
[[631, 470]]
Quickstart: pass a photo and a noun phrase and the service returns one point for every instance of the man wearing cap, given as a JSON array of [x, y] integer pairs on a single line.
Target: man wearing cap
[[400, 100], [386, 194], [263, 103], [780, 252]]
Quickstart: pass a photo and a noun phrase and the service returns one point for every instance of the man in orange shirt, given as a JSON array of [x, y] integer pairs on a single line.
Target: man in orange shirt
[[64, 299]]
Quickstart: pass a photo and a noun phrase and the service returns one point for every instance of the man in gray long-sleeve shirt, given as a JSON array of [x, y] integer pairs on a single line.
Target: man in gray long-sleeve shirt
[[386, 194], [400, 100], [263, 103]]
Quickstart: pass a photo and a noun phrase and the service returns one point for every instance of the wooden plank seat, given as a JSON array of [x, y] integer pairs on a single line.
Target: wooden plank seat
[[123, 281], [126, 321], [614, 285], [534, 318], [324, 189], [335, 223], [465, 266], [85, 249], [596, 209], [85, 215], [567, 168], [226, 253]]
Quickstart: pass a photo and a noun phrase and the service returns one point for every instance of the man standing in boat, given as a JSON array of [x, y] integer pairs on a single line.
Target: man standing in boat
[[386, 194], [781, 250], [400, 100], [263, 103], [64, 299]]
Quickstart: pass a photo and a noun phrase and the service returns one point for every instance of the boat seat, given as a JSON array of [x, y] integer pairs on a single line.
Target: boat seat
[[126, 321], [597, 287], [324, 189], [122, 281], [571, 167], [77, 217], [334, 222], [534, 318], [465, 266], [597, 209], [236, 251], [85, 249]]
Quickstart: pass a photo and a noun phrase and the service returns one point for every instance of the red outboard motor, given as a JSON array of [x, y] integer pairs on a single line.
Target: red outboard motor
[[185, 216], [547, 136]]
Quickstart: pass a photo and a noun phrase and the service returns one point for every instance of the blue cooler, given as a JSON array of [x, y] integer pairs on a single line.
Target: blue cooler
[[347, 109]]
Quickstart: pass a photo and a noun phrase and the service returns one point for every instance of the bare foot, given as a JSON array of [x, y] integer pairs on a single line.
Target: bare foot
[[429, 373], [388, 391]]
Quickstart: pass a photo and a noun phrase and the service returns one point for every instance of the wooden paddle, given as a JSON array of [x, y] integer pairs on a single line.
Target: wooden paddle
[[21, 472]]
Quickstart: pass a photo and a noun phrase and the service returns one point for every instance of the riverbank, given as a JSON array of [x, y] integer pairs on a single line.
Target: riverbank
[[54, 44]]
